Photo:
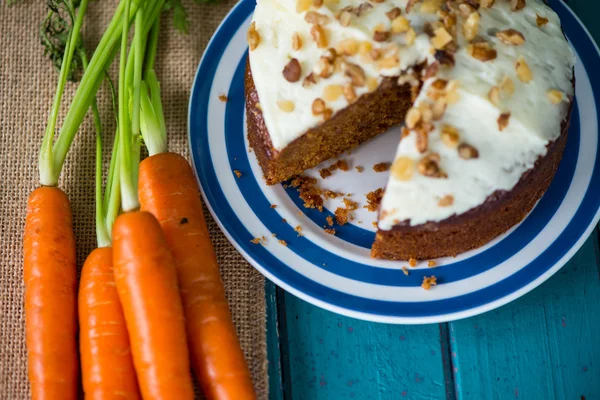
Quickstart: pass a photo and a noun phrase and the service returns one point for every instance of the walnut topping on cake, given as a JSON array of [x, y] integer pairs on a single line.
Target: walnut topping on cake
[[411, 4], [292, 71], [555, 96], [446, 201], [466, 9], [540, 21], [467, 152], [318, 106], [345, 18], [403, 168], [381, 35], [428, 282], [441, 38], [315, 18], [486, 3], [507, 86], [482, 51], [296, 41], [471, 26], [286, 105], [303, 5], [400, 24], [310, 80], [523, 71], [511, 36], [394, 13], [413, 116], [355, 73], [430, 166], [332, 92], [422, 140], [517, 5], [503, 120], [253, 36], [445, 58], [450, 135], [319, 36]]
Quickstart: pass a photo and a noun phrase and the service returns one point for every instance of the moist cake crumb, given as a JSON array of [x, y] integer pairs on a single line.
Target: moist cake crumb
[[381, 167], [373, 199], [341, 215], [330, 194], [330, 231], [342, 165], [412, 262], [360, 168], [273, 234], [256, 240], [273, 205], [431, 264], [309, 192], [405, 270], [282, 242], [298, 229], [350, 205], [428, 282], [223, 98], [237, 173], [329, 220], [325, 173]]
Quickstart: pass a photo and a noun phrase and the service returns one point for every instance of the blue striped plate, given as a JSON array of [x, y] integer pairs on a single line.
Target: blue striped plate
[[335, 271]]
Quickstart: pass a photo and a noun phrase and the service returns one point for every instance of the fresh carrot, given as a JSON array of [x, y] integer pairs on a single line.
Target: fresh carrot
[[49, 262], [106, 362], [50, 274], [168, 189], [147, 285], [143, 266]]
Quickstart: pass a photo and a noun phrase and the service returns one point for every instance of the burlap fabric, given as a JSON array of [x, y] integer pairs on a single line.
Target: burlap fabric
[[27, 85]]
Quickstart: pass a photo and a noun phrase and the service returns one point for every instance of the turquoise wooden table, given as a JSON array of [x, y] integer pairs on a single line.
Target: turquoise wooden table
[[545, 345]]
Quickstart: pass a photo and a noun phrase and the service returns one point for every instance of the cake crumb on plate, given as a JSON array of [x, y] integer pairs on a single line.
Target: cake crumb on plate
[[428, 282], [405, 270], [373, 199], [223, 98], [412, 262], [381, 167], [329, 220], [330, 231], [237, 173], [432, 263]]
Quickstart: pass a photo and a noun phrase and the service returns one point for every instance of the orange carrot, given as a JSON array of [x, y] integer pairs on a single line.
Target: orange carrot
[[50, 275], [168, 189], [106, 362], [147, 286]]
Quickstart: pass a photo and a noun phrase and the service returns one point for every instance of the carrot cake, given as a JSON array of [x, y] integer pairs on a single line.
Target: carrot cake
[[483, 88]]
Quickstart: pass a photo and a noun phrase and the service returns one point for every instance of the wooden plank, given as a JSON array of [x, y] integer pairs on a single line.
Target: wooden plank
[[335, 357], [542, 346]]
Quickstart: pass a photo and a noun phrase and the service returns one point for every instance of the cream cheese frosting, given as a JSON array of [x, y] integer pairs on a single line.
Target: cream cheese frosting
[[475, 127]]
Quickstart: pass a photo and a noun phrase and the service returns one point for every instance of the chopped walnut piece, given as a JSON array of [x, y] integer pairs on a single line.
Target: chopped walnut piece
[[350, 93], [503, 120], [555, 96], [422, 140], [318, 106], [413, 116], [355, 73], [348, 47], [523, 71], [292, 71], [471, 26], [345, 18], [381, 36], [540, 21], [315, 18], [430, 166], [430, 6], [400, 24], [482, 51], [486, 3], [466, 9], [507, 85], [517, 5], [467, 152], [494, 95], [431, 263], [310, 80], [373, 200], [253, 37], [444, 58], [329, 220], [405, 270], [388, 62], [286, 105], [323, 68], [332, 92], [428, 282], [511, 36], [318, 34], [410, 37], [237, 173], [411, 4], [403, 168], [394, 13], [303, 5], [365, 47], [296, 41], [446, 201], [381, 167], [450, 135], [441, 38], [439, 109]]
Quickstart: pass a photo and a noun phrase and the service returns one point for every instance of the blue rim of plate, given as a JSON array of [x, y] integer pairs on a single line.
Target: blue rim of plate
[[585, 214]]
